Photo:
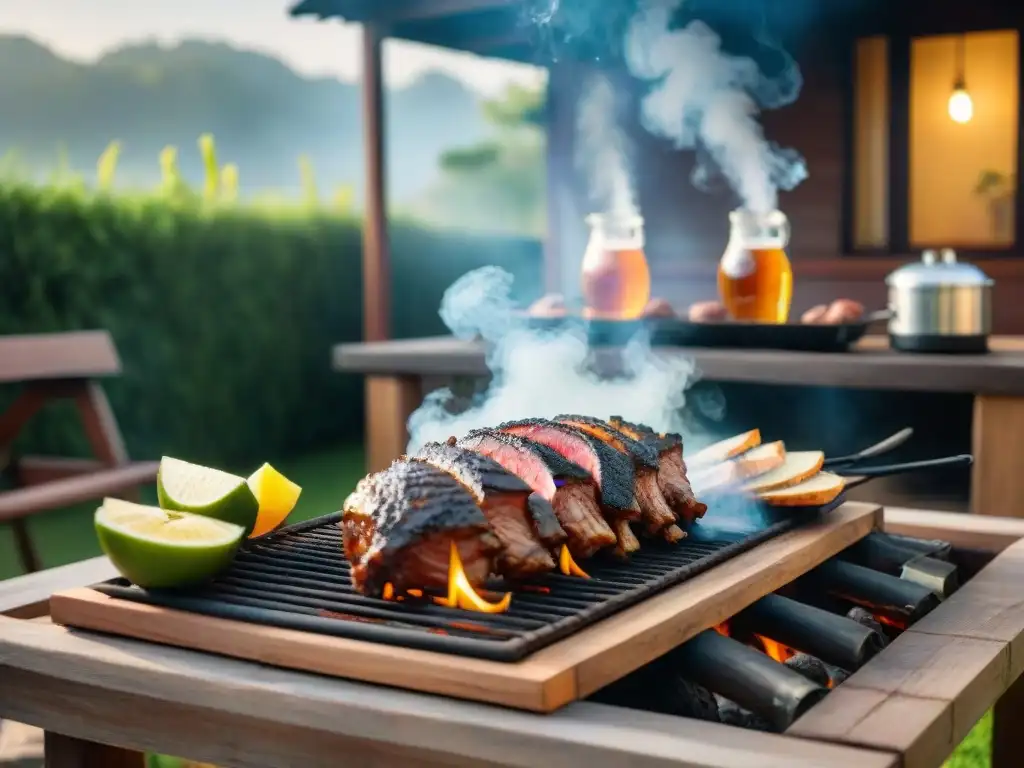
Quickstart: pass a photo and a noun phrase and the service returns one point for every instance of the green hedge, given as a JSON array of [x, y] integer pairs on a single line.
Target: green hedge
[[224, 316]]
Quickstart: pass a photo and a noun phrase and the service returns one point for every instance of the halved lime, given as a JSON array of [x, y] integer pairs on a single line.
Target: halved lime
[[204, 491], [159, 548]]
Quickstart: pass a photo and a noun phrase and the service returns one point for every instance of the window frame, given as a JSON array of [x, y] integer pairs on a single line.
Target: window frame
[[899, 45]]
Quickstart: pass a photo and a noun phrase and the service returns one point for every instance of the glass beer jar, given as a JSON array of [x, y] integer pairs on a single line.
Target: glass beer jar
[[616, 281], [755, 278]]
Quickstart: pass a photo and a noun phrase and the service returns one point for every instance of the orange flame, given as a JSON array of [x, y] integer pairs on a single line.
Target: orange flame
[[461, 593], [885, 620], [568, 566], [776, 650], [722, 629]]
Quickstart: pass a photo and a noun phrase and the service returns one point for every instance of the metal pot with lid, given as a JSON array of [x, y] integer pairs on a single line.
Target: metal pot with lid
[[940, 305]]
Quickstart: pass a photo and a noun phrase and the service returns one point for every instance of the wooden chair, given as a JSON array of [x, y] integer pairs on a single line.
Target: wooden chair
[[51, 367]]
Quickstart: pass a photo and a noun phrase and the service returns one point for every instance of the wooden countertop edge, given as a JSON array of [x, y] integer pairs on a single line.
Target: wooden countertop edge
[[580, 734], [1001, 373], [26, 597], [966, 531]]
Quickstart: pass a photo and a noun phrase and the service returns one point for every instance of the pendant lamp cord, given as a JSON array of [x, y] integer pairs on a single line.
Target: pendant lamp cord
[[961, 44]]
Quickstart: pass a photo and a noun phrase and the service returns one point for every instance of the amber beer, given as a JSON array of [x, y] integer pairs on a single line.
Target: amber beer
[[616, 280], [755, 278]]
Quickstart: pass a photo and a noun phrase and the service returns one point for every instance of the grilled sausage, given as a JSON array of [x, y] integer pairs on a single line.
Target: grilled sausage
[[707, 312], [659, 308], [844, 311], [815, 314]]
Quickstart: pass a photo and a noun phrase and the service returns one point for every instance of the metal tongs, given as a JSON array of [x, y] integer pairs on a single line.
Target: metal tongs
[[847, 465]]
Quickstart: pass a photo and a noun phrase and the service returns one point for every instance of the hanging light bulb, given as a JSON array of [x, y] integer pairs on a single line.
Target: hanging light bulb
[[961, 105]]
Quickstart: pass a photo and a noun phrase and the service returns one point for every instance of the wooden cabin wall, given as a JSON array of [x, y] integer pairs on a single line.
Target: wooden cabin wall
[[687, 228]]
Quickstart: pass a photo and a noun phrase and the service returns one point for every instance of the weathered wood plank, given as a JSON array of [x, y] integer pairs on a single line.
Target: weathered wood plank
[[275, 717], [568, 670], [29, 596]]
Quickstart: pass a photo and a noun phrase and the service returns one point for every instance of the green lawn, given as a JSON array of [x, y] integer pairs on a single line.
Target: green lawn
[[66, 536]]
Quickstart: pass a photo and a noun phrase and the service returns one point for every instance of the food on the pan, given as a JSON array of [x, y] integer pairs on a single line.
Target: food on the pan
[[797, 467], [549, 305], [707, 312], [753, 463], [814, 315], [162, 549], [659, 308], [565, 486], [399, 526], [276, 496], [838, 312], [844, 311], [815, 491], [724, 449], [205, 491], [505, 501]]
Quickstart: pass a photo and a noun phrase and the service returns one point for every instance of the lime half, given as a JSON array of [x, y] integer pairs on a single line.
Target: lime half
[[204, 491], [156, 548]]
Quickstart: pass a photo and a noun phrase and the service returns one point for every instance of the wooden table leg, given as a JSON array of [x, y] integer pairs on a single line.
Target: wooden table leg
[[997, 477], [102, 431], [1008, 727], [68, 752], [390, 401]]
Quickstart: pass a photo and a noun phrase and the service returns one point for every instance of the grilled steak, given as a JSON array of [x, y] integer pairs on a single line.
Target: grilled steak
[[503, 498], [654, 509], [671, 468], [562, 484], [398, 526], [610, 469]]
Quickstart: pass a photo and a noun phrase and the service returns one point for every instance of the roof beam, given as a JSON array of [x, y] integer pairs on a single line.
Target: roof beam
[[417, 10]]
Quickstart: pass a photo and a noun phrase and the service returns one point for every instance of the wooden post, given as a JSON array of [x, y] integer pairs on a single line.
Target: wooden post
[[997, 482], [376, 261], [1008, 727], [386, 399]]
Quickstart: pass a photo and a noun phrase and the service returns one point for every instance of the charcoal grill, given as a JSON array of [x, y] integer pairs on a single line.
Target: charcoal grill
[[298, 579]]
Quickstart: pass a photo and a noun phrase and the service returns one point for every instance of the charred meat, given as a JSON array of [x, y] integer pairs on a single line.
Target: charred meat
[[672, 480], [564, 486], [398, 526], [654, 509], [610, 469], [504, 499]]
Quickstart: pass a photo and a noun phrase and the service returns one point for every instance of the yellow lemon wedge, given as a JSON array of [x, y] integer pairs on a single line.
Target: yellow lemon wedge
[[277, 496]]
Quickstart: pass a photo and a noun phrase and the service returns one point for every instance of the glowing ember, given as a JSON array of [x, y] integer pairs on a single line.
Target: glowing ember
[[568, 566], [722, 629], [461, 593], [885, 620], [781, 653], [389, 591]]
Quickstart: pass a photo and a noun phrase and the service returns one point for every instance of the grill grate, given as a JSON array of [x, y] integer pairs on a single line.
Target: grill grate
[[297, 578]]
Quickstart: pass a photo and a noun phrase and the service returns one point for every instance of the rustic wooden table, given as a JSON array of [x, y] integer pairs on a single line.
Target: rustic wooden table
[[908, 708], [396, 372]]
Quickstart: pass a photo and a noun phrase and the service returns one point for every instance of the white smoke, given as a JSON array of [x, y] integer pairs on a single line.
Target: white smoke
[[709, 100], [543, 374], [602, 149]]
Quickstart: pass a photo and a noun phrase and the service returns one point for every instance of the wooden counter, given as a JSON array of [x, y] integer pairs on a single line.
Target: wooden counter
[[396, 369]]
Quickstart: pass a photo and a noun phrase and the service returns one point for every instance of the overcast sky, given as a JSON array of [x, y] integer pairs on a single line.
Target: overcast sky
[[85, 29]]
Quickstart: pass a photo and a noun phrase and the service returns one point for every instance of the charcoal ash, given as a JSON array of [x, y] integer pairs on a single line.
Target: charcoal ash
[[731, 713], [811, 668], [658, 687], [865, 619], [839, 676]]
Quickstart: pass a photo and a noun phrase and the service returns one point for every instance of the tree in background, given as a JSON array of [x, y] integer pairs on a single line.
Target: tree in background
[[498, 184]]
